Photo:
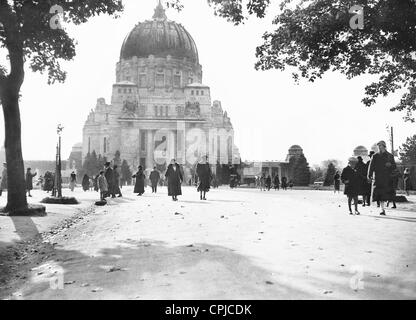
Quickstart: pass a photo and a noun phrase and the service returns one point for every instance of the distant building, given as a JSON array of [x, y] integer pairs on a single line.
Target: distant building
[[256, 168], [160, 109], [294, 151]]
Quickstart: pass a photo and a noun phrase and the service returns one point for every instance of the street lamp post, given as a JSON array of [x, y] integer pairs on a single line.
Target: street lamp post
[[58, 176]]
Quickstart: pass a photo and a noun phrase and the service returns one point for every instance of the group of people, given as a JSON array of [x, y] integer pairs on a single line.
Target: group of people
[[265, 183], [108, 180], [378, 177]]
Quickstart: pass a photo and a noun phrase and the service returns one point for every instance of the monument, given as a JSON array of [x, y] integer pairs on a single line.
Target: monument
[[160, 109]]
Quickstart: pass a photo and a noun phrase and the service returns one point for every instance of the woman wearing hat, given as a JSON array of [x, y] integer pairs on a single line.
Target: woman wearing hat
[[383, 167], [174, 176], [203, 171], [29, 180], [139, 185]]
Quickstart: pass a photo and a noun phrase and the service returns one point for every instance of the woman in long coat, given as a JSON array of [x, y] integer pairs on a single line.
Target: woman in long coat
[[383, 167], [29, 180], [73, 181], [337, 182], [85, 182], [203, 170], [175, 178], [139, 185]]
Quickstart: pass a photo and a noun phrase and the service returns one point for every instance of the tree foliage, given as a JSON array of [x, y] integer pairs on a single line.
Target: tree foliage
[[26, 32], [408, 151], [301, 171], [28, 35], [314, 37]]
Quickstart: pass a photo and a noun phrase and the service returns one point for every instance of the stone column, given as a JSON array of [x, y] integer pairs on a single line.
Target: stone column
[[150, 149]]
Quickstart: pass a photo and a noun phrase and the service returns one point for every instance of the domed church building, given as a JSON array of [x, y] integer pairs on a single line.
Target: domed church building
[[160, 109]]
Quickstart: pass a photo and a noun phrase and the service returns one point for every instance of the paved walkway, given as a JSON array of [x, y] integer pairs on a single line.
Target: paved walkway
[[240, 244]]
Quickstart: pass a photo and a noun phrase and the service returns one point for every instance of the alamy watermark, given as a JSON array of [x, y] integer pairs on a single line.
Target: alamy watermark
[[357, 20], [357, 280]]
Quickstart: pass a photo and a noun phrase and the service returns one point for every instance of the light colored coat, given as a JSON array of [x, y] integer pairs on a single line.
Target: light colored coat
[[102, 183]]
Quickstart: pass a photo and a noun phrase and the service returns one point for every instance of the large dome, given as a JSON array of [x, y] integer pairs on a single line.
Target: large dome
[[159, 37]]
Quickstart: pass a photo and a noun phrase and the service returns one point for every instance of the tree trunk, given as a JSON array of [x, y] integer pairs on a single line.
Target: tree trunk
[[16, 189]]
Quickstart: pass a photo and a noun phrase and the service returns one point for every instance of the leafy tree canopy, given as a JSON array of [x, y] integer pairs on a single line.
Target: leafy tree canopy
[[408, 151], [314, 37], [26, 33]]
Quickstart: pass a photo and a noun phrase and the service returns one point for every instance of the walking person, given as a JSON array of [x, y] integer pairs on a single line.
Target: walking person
[[85, 183], [361, 169], [109, 176], [284, 183], [268, 182], [102, 185], [394, 180], [29, 180], [174, 176], [276, 182], [263, 182], [154, 179], [3, 183], [116, 182], [337, 182], [203, 171], [368, 184], [382, 166], [406, 180], [72, 181], [139, 185], [351, 178]]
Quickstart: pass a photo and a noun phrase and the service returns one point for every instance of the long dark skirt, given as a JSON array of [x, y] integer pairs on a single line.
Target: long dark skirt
[[174, 187], [204, 184]]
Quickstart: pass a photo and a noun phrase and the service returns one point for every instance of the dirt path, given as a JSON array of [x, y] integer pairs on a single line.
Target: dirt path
[[240, 244]]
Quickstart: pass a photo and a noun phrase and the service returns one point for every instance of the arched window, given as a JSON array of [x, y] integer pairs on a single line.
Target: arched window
[[177, 79], [160, 78]]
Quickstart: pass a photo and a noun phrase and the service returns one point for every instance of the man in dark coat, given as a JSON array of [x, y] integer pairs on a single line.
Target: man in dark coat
[[383, 167], [352, 180], [139, 185], [362, 170], [109, 176], [29, 180], [154, 179], [268, 182], [175, 178], [116, 182], [203, 171], [284, 183]]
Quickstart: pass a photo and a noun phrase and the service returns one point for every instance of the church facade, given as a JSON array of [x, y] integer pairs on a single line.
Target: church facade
[[160, 109]]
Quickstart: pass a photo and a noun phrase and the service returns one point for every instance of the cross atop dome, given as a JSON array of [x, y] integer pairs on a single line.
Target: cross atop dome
[[160, 13]]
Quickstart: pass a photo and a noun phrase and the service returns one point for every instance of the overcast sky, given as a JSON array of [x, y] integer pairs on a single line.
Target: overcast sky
[[269, 112]]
